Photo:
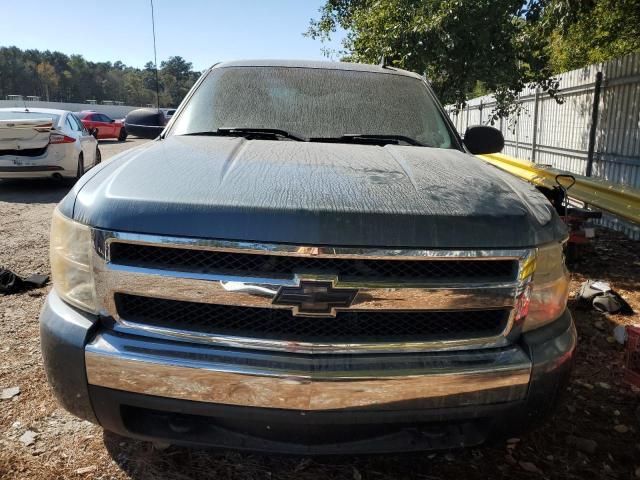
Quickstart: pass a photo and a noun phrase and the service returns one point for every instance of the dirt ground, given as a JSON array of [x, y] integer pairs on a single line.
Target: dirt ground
[[599, 408]]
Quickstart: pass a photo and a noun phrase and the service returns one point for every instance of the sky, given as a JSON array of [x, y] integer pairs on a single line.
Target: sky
[[203, 32]]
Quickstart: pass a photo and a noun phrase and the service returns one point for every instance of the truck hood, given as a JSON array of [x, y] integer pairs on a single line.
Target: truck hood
[[313, 193]]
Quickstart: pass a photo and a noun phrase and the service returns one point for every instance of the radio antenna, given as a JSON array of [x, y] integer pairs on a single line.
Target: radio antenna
[[155, 57]]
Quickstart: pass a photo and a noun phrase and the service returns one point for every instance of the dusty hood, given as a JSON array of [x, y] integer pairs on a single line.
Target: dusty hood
[[313, 193]]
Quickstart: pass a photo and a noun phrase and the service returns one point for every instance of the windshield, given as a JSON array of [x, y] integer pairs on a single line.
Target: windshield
[[315, 103]]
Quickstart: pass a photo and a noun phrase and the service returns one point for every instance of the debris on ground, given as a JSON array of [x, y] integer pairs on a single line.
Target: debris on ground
[[530, 467], [603, 298], [9, 393], [11, 282], [620, 334], [89, 469], [28, 438], [621, 428], [585, 445]]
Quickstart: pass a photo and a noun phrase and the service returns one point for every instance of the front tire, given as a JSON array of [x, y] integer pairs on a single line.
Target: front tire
[[123, 135], [98, 157]]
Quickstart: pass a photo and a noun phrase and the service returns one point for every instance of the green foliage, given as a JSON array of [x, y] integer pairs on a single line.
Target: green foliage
[[469, 47], [457, 44], [598, 31], [177, 76], [58, 77]]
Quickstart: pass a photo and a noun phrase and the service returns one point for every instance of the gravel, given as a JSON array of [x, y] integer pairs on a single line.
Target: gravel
[[28, 438]]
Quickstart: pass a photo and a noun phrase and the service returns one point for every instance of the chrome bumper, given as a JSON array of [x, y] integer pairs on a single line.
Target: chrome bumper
[[313, 383]]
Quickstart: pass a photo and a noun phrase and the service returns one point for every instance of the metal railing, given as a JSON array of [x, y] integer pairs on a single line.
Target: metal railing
[[622, 201]]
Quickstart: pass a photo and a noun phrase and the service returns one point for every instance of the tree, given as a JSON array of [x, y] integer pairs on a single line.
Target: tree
[[48, 77], [592, 32], [136, 93], [474, 46], [59, 77], [455, 43], [149, 79], [177, 67], [82, 79], [177, 76]]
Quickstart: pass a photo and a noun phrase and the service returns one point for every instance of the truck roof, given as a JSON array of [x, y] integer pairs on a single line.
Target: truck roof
[[358, 67]]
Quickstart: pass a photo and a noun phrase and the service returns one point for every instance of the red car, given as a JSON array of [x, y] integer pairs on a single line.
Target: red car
[[106, 126]]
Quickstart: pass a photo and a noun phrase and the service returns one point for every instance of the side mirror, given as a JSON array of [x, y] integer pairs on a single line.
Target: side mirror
[[481, 139], [111, 121], [94, 132], [144, 123]]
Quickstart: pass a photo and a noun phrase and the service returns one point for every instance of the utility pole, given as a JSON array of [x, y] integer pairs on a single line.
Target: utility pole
[[155, 56]]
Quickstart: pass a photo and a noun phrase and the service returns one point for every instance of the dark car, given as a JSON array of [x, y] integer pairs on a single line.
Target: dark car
[[146, 122], [308, 259]]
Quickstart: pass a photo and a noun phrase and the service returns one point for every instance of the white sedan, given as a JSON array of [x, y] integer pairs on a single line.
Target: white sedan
[[42, 142]]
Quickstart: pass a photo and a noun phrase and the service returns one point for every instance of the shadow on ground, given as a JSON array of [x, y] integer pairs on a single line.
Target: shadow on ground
[[33, 191], [112, 141], [142, 461]]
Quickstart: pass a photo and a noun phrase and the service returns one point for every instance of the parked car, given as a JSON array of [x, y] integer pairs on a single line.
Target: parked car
[[145, 122], [105, 126], [309, 259], [41, 142], [168, 112]]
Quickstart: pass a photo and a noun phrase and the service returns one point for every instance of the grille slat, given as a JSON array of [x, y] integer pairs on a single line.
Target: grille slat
[[266, 323], [248, 264]]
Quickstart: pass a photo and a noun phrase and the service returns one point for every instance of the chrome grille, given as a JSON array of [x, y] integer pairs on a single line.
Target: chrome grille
[[252, 264], [266, 323], [227, 293]]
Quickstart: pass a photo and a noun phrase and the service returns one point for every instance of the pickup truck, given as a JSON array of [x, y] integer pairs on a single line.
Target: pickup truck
[[309, 259]]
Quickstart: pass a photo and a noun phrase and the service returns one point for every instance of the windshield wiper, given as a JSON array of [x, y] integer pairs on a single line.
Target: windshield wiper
[[379, 139], [251, 132]]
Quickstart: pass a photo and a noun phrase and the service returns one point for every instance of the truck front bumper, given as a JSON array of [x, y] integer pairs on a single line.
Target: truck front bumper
[[192, 394]]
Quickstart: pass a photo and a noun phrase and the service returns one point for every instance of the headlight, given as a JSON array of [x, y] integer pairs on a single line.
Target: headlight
[[71, 268], [550, 287]]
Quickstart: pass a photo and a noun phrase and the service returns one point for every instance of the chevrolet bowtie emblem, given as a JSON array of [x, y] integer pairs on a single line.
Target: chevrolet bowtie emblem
[[315, 298]]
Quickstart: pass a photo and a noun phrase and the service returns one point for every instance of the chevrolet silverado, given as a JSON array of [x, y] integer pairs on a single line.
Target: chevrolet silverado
[[308, 259]]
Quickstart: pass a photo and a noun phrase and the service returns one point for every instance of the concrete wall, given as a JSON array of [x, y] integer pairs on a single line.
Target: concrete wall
[[114, 111]]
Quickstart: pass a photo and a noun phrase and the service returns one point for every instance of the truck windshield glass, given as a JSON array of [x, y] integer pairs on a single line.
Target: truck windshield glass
[[316, 104]]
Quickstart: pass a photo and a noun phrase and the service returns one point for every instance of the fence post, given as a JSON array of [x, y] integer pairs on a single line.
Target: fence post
[[517, 132], [467, 121], [594, 123], [534, 134], [480, 109]]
